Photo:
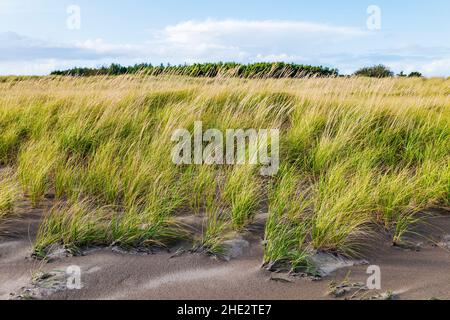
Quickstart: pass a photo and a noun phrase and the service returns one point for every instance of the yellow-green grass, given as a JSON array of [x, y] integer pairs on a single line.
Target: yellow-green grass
[[9, 192], [356, 155]]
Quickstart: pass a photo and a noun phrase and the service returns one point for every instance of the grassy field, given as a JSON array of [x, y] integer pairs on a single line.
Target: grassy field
[[358, 156]]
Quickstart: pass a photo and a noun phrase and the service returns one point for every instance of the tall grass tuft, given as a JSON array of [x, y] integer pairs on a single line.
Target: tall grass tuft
[[9, 192]]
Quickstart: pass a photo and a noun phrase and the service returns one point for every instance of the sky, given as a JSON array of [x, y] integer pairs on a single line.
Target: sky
[[39, 36]]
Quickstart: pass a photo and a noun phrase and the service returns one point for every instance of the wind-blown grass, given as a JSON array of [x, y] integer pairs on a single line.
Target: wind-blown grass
[[242, 192], [356, 154], [9, 192]]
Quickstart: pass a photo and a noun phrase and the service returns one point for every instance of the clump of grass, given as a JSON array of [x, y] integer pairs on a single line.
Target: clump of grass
[[286, 232], [9, 192], [67, 179], [73, 225], [201, 187], [35, 164], [242, 191], [81, 223], [214, 231], [10, 140], [141, 227], [100, 177], [150, 221], [342, 210]]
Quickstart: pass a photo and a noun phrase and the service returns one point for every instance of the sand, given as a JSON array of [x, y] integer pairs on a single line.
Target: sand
[[111, 274]]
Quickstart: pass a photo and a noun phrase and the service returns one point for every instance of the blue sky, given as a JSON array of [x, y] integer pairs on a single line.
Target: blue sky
[[37, 36]]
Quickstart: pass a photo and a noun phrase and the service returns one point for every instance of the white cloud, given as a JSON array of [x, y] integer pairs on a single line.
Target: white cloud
[[439, 67], [100, 46], [39, 67], [246, 40], [224, 31], [15, 47]]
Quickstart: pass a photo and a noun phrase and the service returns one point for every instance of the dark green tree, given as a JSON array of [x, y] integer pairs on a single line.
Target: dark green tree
[[378, 71]]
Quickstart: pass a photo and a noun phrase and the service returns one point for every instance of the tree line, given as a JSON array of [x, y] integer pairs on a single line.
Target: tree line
[[210, 70], [232, 69]]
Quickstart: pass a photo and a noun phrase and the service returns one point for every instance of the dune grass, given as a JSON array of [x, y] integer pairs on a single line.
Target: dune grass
[[9, 193], [356, 155]]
